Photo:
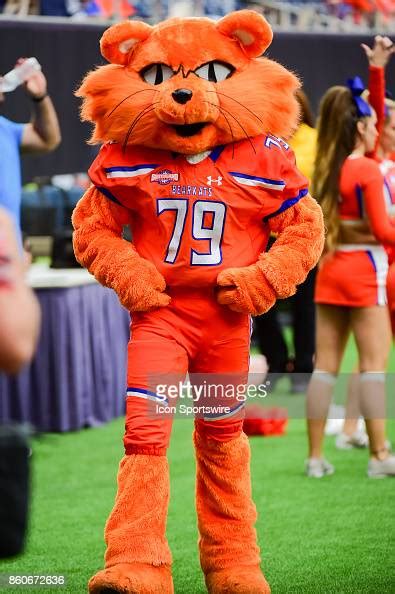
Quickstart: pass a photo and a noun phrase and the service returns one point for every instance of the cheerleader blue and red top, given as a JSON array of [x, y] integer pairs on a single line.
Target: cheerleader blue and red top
[[355, 275], [193, 220], [363, 194]]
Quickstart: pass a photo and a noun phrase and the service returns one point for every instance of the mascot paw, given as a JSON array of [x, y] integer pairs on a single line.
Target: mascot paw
[[237, 580], [148, 300], [245, 290], [145, 290], [132, 578]]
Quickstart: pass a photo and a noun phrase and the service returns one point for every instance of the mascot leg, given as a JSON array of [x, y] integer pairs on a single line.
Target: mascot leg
[[229, 553], [138, 558]]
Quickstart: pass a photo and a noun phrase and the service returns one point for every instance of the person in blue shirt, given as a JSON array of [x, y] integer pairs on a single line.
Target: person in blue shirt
[[40, 135], [20, 318], [19, 308]]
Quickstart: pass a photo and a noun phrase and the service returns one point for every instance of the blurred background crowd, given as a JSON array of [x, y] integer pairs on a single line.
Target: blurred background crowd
[[333, 15]]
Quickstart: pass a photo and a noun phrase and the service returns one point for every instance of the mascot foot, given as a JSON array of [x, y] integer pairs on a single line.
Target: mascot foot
[[132, 578], [238, 580]]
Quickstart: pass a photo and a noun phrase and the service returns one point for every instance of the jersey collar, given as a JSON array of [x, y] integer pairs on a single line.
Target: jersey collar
[[198, 158]]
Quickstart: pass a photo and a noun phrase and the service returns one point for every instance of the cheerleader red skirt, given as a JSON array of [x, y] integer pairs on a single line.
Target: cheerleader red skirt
[[353, 276]]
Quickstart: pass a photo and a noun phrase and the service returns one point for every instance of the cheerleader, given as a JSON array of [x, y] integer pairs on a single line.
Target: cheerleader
[[378, 57], [351, 281]]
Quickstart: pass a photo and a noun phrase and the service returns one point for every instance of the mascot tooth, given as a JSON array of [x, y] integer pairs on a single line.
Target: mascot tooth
[[191, 120]]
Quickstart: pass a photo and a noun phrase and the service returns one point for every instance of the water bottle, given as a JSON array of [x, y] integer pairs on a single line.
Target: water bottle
[[16, 77]]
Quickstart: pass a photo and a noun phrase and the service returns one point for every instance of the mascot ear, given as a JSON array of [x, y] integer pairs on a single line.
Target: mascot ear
[[249, 28], [118, 40]]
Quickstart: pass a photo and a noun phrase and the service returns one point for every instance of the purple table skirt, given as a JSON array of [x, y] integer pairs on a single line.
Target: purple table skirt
[[78, 376]]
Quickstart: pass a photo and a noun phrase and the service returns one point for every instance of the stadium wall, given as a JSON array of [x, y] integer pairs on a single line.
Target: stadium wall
[[68, 49]]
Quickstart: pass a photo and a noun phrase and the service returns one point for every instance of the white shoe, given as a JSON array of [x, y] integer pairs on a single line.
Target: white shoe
[[382, 468], [359, 439], [318, 467]]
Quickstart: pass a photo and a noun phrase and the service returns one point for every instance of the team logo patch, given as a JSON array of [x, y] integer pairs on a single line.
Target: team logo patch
[[164, 177]]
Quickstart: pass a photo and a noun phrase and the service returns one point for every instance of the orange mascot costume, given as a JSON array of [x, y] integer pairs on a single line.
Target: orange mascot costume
[[192, 123]]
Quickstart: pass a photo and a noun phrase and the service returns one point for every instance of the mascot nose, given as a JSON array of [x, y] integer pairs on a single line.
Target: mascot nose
[[182, 95]]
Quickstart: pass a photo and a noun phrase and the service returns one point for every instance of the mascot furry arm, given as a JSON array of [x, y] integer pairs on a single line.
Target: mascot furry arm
[[113, 261], [253, 289], [265, 91]]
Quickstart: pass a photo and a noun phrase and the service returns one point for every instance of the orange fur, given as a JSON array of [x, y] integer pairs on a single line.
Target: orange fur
[[254, 289], [113, 261], [132, 578], [297, 249], [226, 517], [258, 98], [138, 557]]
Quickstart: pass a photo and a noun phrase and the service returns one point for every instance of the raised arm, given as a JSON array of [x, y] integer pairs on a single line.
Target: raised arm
[[254, 289], [377, 94], [114, 262], [378, 56], [42, 134]]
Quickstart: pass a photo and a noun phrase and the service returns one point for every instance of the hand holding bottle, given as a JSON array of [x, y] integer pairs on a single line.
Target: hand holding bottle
[[27, 71], [35, 83]]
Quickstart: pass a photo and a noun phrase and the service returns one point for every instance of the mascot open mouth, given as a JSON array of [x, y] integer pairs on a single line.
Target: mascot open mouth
[[186, 130]]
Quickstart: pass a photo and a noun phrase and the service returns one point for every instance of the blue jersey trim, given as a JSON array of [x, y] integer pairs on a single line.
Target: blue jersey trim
[[369, 253], [146, 394], [390, 194], [371, 258], [287, 204], [359, 195], [275, 182], [142, 391], [215, 154], [134, 168], [108, 195]]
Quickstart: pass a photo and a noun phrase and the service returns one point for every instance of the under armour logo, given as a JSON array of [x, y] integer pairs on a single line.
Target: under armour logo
[[217, 181]]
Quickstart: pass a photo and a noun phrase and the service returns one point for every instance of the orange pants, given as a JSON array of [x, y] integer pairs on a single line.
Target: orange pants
[[193, 334]]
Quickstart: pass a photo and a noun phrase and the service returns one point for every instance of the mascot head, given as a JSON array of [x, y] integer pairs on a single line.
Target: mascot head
[[187, 85]]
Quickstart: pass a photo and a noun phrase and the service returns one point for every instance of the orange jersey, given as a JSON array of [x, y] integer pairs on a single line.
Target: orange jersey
[[194, 219], [363, 195]]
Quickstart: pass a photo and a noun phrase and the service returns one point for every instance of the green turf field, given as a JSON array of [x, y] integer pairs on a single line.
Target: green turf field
[[334, 535]]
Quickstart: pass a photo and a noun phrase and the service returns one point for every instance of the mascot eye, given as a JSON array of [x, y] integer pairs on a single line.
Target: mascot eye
[[215, 71], [156, 73]]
